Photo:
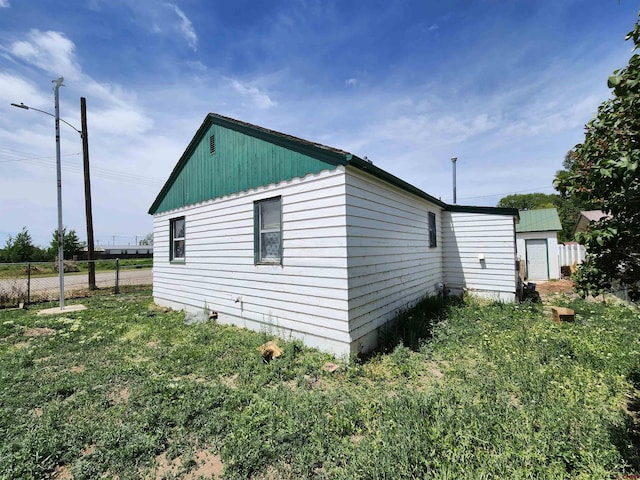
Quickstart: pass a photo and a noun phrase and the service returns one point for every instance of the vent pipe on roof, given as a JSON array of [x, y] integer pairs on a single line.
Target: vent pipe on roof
[[453, 161]]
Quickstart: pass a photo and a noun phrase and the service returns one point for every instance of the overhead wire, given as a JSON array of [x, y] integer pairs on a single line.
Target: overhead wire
[[100, 172]]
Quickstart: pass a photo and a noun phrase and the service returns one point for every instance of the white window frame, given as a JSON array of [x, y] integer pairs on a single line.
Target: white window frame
[[174, 239], [259, 231]]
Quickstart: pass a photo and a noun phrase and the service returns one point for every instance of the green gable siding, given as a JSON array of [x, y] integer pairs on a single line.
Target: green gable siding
[[240, 162]]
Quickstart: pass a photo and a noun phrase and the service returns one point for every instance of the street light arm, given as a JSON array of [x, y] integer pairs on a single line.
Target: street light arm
[[27, 107]]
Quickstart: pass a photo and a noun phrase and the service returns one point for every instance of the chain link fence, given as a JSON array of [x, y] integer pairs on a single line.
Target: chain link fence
[[25, 283]]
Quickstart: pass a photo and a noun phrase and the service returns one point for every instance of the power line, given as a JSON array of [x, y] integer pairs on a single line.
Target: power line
[[108, 174]]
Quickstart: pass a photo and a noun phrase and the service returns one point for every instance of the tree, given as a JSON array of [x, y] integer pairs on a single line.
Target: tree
[[71, 243], [20, 248], [147, 240], [603, 171], [528, 201]]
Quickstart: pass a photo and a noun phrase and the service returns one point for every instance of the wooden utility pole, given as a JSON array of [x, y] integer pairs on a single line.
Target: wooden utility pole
[[87, 195]]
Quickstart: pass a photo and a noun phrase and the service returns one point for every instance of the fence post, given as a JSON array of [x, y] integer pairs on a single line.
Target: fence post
[[28, 283], [117, 276]]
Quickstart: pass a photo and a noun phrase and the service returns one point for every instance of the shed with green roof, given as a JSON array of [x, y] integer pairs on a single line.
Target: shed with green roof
[[537, 243]]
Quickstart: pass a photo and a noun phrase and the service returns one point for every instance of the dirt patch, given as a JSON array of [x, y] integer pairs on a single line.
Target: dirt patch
[[119, 396], [514, 402], [153, 344], [553, 288], [20, 345], [62, 472], [434, 369], [37, 412], [89, 449], [39, 332], [231, 381], [77, 369], [330, 367], [207, 466]]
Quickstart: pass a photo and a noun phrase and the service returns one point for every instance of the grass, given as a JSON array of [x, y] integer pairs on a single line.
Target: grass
[[459, 390], [44, 269]]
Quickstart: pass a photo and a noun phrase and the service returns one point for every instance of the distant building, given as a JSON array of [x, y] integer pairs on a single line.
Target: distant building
[[588, 216], [120, 251], [537, 243]]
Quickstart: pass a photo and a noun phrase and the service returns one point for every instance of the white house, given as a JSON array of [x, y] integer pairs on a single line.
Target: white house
[[537, 243], [274, 232]]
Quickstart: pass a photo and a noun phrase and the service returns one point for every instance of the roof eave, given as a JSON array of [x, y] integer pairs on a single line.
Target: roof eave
[[511, 212]]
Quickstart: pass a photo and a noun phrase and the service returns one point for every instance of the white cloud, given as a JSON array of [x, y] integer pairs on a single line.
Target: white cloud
[[351, 81], [4, 4], [120, 121], [433, 27], [435, 128], [257, 97], [15, 89], [50, 51], [186, 27]]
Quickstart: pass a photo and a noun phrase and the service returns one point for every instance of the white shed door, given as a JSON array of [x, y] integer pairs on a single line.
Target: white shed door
[[537, 263]]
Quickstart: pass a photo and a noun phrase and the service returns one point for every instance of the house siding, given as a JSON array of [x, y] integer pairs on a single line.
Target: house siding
[[467, 236], [390, 263], [306, 297]]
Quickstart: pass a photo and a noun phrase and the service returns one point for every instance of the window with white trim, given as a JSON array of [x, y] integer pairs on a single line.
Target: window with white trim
[[433, 236], [176, 226], [268, 231]]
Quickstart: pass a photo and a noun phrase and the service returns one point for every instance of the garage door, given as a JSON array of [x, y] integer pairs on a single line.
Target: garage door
[[537, 263]]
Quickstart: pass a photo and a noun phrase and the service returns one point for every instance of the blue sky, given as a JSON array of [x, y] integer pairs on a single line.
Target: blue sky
[[505, 86]]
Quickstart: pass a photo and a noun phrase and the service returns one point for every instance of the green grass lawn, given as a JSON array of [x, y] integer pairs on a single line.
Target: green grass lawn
[[125, 390]]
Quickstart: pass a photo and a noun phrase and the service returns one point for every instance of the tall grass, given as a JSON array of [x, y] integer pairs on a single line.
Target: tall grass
[[457, 391]]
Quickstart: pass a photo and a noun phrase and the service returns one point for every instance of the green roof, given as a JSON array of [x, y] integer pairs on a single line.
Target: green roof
[[228, 156], [543, 220], [197, 177]]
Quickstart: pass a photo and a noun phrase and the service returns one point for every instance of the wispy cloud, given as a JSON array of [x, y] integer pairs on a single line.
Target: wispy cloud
[[186, 27], [351, 81], [50, 51], [14, 89], [4, 4], [254, 95]]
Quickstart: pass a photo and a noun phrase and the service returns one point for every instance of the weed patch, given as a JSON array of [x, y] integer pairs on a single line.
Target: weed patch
[[457, 390]]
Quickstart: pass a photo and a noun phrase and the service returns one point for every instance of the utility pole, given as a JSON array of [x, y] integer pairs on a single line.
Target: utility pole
[[56, 88], [87, 195], [453, 161]]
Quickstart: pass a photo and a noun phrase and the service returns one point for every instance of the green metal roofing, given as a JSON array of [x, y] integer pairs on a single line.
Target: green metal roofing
[[249, 156], [545, 219]]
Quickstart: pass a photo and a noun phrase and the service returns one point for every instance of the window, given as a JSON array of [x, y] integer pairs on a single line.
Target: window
[[268, 231], [177, 239], [433, 242]]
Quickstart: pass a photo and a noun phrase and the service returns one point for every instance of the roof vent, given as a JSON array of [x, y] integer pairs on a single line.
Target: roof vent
[[212, 144], [367, 160]]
